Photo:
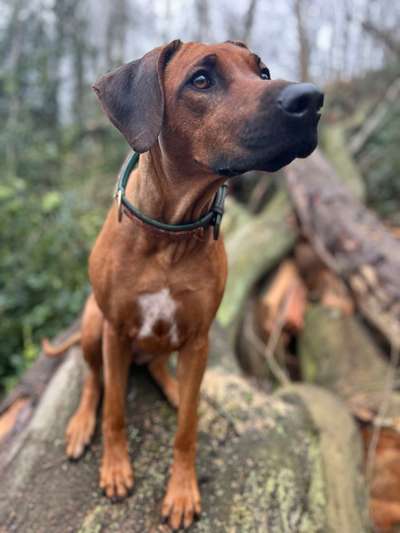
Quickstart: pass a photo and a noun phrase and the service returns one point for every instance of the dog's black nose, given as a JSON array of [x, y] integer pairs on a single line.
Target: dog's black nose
[[297, 99]]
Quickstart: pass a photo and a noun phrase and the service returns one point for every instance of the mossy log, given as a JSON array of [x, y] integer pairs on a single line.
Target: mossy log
[[338, 353], [253, 250], [236, 216], [335, 147], [265, 463], [350, 240]]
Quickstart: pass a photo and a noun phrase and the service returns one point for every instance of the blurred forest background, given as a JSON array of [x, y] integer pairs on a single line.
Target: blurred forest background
[[59, 156]]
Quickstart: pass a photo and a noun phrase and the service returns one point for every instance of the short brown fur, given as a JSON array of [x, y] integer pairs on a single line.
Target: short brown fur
[[174, 182]]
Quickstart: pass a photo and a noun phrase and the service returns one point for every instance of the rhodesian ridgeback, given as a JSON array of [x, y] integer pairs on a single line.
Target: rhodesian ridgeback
[[197, 114]]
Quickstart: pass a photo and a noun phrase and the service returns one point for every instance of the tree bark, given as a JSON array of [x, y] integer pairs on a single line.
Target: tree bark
[[202, 20], [350, 240], [303, 44], [249, 20]]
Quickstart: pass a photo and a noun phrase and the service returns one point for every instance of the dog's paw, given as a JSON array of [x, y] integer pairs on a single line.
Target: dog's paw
[[182, 501], [116, 475], [79, 433]]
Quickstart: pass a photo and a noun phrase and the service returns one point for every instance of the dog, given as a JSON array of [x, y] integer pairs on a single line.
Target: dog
[[198, 114]]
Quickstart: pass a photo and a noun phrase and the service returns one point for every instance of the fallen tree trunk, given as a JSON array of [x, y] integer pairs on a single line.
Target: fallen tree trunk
[[338, 353], [350, 240], [253, 250], [266, 463]]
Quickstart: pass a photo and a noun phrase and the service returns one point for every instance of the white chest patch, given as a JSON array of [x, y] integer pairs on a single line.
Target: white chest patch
[[158, 306]]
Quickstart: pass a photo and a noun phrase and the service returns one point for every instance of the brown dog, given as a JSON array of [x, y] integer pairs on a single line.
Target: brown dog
[[199, 114]]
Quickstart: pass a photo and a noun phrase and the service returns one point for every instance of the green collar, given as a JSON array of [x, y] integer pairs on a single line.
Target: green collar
[[212, 218]]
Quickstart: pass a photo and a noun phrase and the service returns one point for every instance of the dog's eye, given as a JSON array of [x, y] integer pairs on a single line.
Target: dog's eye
[[201, 80], [265, 74]]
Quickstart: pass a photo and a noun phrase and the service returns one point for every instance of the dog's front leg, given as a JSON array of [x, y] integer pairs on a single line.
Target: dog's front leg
[[182, 500], [116, 476]]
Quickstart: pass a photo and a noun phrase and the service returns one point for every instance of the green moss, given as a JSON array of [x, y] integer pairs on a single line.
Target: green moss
[[335, 146], [93, 521], [261, 242], [259, 463]]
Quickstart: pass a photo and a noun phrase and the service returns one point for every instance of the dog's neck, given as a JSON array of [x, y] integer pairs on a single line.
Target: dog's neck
[[160, 190]]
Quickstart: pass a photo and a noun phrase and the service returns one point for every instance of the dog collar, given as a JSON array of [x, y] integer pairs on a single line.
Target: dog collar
[[212, 218]]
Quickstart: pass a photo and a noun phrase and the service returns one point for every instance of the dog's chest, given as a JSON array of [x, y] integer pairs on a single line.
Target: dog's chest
[[158, 316]]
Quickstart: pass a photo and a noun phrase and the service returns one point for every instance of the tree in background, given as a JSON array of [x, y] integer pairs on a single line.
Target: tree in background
[[58, 156]]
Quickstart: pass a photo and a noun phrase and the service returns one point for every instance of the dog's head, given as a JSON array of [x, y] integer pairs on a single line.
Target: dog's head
[[214, 106]]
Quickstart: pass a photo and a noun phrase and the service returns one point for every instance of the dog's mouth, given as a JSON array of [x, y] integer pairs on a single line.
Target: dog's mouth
[[301, 151], [272, 161]]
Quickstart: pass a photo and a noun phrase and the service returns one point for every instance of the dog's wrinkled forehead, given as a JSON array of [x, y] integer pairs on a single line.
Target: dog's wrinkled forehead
[[230, 56]]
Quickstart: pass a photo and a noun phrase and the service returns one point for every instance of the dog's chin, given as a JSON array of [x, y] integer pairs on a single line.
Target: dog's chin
[[276, 163], [268, 162], [286, 157]]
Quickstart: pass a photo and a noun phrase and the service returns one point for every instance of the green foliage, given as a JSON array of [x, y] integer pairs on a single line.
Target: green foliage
[[55, 186], [57, 176], [48, 222], [43, 255]]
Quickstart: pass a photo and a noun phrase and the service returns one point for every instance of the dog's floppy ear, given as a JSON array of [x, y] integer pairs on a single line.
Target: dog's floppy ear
[[133, 96]]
